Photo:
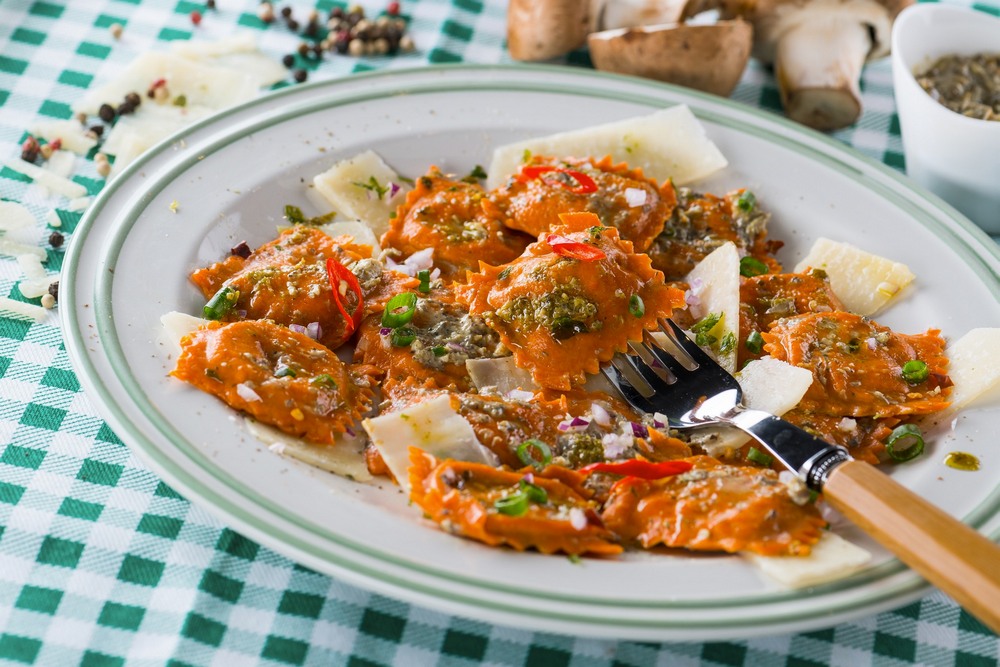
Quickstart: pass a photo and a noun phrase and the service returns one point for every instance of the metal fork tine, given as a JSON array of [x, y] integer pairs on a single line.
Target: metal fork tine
[[677, 335], [642, 365], [625, 387], [665, 358]]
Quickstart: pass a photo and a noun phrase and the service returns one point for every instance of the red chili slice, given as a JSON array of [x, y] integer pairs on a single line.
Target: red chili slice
[[337, 272], [585, 184], [566, 247], [639, 468]]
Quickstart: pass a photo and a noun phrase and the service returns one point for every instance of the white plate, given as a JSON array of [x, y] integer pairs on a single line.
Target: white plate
[[231, 177]]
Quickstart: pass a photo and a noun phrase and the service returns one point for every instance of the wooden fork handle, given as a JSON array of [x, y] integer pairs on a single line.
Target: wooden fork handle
[[952, 556]]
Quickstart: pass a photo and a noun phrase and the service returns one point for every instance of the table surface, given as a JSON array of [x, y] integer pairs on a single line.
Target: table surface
[[102, 563]]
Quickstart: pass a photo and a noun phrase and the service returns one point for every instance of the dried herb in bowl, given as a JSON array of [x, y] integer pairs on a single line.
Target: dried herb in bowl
[[969, 85]]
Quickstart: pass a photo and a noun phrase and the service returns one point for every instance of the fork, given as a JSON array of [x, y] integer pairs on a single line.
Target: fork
[[688, 387]]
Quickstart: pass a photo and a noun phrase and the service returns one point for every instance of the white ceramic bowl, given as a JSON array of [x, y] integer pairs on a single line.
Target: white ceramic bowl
[[952, 155]]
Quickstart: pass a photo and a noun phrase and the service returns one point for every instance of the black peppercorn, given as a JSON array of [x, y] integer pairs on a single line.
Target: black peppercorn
[[301, 75], [133, 100], [54, 290], [288, 61], [106, 113], [56, 239], [97, 129]]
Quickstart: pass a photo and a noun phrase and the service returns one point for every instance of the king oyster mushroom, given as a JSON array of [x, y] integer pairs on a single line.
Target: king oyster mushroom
[[543, 29], [818, 48], [708, 57]]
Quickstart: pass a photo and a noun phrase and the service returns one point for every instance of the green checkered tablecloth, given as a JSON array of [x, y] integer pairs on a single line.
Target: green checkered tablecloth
[[103, 564]]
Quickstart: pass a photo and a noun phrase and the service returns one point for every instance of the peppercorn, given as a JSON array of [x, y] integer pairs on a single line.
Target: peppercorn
[[303, 49], [133, 99], [241, 249], [337, 13], [98, 130], [116, 30], [54, 290], [292, 24], [392, 9], [124, 109], [266, 12], [312, 29], [356, 47], [46, 151], [56, 239], [301, 75], [196, 18], [286, 12], [318, 49], [30, 149], [209, 4], [48, 301], [342, 44], [288, 61], [106, 113]]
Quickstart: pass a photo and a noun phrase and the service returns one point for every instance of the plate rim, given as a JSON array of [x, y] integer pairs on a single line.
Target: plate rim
[[169, 469]]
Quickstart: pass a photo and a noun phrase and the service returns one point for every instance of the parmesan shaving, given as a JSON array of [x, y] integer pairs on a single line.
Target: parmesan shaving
[[974, 368], [831, 558], [670, 143], [58, 184], [14, 249], [14, 216], [434, 427], [71, 134], [351, 188], [345, 457], [19, 308], [864, 282], [719, 276]]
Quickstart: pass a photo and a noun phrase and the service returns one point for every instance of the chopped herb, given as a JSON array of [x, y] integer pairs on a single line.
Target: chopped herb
[[819, 274], [636, 305], [504, 273], [477, 174], [515, 504], [405, 179], [915, 371], [535, 493], [426, 182], [372, 185], [212, 373], [285, 371], [706, 323], [751, 266], [180, 101], [526, 155], [439, 350], [746, 201], [595, 233], [728, 343], [574, 558], [755, 342], [293, 214], [424, 276]]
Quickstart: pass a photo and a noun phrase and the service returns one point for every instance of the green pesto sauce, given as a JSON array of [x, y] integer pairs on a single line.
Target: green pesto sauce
[[961, 461]]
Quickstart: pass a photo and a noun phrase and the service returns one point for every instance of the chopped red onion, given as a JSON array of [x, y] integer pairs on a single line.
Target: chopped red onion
[[660, 420], [384, 331], [529, 477], [246, 393], [871, 342], [520, 395], [314, 330], [242, 314], [600, 415], [393, 189], [577, 518], [297, 328], [638, 430], [615, 444], [455, 347], [350, 432], [421, 260], [574, 425], [635, 197]]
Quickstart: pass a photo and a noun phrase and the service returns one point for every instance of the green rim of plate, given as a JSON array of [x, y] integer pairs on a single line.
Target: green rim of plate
[[837, 156]]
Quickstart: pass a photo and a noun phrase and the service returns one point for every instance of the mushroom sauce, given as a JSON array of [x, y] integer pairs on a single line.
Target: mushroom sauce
[[969, 85]]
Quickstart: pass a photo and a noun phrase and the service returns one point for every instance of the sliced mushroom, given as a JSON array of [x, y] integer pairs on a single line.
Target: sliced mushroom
[[705, 57], [818, 48]]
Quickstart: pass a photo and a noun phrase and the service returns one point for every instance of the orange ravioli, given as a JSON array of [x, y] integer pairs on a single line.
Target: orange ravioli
[[767, 298], [457, 220], [700, 223], [442, 336], [621, 197], [276, 375], [286, 280], [714, 507], [857, 365], [864, 437], [461, 497], [571, 300]]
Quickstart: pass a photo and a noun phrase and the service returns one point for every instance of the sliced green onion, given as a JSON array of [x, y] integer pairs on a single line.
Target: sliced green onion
[[284, 370], [221, 303], [402, 337], [636, 305], [746, 201], [515, 504], [853, 345], [905, 442], [705, 339], [755, 342], [439, 350], [751, 266], [526, 453], [324, 380], [399, 310], [535, 493], [915, 371], [757, 456], [425, 281], [706, 323]]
